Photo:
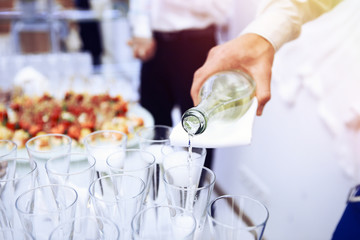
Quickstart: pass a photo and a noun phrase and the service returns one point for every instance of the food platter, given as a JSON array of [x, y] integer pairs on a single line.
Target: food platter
[[76, 116]]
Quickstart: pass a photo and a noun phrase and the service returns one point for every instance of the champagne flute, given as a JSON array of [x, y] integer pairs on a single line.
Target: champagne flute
[[43, 208], [44, 147], [237, 217], [76, 170], [135, 162], [100, 144], [19, 175], [190, 186], [154, 139], [118, 197]]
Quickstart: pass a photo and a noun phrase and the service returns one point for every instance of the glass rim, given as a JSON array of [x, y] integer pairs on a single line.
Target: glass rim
[[46, 186], [86, 141], [14, 148], [208, 170], [93, 195], [96, 217], [32, 164], [166, 154], [228, 196], [139, 132], [92, 165], [139, 213], [150, 165], [50, 135]]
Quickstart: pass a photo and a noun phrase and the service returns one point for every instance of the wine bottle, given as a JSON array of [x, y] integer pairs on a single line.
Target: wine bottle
[[224, 96]]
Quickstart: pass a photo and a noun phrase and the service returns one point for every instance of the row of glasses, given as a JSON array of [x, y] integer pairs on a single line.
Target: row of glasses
[[186, 186], [189, 185], [130, 179], [115, 194], [58, 196]]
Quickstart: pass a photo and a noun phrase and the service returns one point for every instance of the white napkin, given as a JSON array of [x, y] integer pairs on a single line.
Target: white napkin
[[234, 133]]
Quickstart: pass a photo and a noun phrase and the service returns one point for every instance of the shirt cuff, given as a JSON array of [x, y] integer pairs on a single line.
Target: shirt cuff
[[141, 26], [275, 28]]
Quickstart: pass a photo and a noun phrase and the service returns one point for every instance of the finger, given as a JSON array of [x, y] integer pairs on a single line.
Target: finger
[[201, 75], [196, 85], [263, 89]]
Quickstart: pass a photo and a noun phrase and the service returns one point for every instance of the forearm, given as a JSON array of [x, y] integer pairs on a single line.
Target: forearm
[[280, 21]]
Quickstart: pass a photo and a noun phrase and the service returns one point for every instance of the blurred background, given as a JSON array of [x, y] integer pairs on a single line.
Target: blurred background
[[304, 156]]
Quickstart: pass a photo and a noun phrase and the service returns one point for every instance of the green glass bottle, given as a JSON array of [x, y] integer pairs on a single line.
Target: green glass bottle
[[224, 96]]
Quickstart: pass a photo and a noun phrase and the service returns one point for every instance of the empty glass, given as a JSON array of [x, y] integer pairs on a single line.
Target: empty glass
[[18, 175], [86, 227], [190, 187], [237, 217], [43, 208], [44, 147], [118, 197], [76, 170], [154, 139], [100, 144], [163, 222], [135, 162]]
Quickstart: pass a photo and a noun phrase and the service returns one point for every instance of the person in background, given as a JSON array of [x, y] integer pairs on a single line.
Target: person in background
[[90, 34], [172, 38], [253, 51]]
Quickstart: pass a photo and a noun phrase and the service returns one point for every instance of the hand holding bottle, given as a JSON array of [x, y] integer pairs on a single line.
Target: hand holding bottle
[[250, 53], [225, 96]]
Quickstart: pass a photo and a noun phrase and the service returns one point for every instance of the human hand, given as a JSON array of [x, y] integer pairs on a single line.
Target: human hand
[[143, 48], [250, 53]]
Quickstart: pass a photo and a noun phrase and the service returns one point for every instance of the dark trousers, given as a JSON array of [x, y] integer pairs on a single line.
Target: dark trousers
[[166, 79], [90, 34]]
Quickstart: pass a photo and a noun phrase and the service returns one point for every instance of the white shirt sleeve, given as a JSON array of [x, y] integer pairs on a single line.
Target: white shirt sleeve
[[176, 15], [280, 21], [219, 10], [139, 18]]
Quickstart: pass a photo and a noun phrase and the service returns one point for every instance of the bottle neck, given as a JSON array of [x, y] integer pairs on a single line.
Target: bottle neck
[[194, 121]]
